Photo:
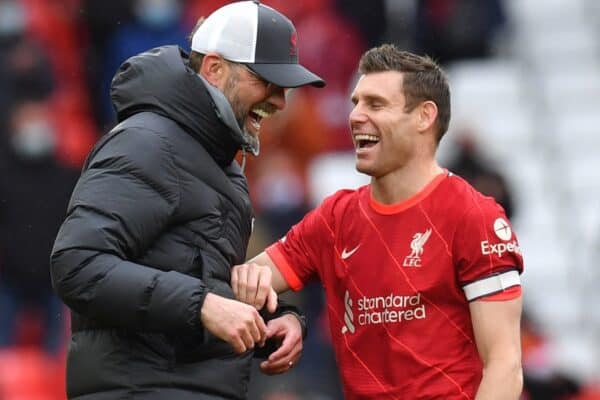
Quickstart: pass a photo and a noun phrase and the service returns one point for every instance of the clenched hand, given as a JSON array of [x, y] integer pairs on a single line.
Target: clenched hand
[[234, 322]]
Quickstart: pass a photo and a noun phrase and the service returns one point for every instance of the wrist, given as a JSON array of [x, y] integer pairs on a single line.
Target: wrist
[[301, 319], [205, 306]]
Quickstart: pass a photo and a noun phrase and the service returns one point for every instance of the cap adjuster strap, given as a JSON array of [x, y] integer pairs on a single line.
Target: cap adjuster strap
[[491, 285]]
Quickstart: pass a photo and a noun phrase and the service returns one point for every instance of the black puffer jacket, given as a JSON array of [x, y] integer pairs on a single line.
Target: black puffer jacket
[[160, 214]]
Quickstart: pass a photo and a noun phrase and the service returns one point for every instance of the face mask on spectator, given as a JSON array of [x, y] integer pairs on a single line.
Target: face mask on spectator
[[157, 14], [12, 18], [34, 140]]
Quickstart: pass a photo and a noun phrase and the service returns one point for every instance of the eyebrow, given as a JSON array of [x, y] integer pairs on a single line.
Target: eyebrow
[[370, 98]]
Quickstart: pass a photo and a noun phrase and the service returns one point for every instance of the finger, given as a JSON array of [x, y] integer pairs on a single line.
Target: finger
[[263, 288], [235, 281], [275, 328], [252, 286], [263, 329], [248, 338], [279, 366], [242, 282], [269, 369], [286, 351], [238, 344], [272, 301]]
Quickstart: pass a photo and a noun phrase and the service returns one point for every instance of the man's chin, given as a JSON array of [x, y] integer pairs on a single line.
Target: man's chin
[[364, 169], [252, 141]]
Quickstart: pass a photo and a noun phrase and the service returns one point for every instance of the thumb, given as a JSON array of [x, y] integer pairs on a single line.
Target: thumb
[[274, 327], [272, 301]]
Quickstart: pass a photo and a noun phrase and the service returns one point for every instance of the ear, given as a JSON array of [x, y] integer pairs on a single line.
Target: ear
[[428, 112], [214, 69]]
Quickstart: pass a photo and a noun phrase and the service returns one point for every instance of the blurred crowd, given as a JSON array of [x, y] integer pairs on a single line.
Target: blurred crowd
[[57, 59]]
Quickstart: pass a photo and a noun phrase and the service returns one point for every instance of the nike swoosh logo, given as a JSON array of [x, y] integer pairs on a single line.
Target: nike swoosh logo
[[346, 254]]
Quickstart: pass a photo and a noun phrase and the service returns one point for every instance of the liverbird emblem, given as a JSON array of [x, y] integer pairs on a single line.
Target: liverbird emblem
[[419, 240]]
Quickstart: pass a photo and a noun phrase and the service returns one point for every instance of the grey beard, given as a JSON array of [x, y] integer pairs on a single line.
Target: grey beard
[[252, 143]]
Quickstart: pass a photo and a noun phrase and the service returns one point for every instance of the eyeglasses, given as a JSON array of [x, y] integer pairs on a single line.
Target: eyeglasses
[[270, 87], [267, 84]]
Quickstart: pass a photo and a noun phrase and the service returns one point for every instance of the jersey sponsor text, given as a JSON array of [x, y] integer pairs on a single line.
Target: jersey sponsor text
[[499, 249], [383, 309]]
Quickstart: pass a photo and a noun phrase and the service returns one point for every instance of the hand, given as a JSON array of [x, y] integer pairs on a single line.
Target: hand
[[251, 284], [288, 330], [237, 323]]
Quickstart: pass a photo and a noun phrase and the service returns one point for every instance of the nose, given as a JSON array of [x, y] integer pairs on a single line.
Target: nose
[[357, 115], [277, 97]]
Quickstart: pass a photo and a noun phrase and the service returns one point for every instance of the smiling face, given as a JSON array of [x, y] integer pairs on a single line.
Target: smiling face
[[384, 133], [251, 97]]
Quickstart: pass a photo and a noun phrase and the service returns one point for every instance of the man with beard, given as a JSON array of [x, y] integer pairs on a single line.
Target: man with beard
[[161, 212]]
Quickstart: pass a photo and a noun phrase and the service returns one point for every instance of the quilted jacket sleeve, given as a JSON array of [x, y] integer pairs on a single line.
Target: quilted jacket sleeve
[[126, 196]]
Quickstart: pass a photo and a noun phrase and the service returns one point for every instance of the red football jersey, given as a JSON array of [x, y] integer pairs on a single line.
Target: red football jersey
[[398, 280]]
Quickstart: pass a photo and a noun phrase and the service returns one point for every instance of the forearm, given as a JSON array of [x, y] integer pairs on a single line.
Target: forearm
[[502, 380], [119, 293]]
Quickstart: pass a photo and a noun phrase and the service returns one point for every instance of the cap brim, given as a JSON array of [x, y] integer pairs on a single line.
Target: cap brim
[[287, 75]]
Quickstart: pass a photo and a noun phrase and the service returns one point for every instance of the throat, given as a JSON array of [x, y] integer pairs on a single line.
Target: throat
[[400, 186]]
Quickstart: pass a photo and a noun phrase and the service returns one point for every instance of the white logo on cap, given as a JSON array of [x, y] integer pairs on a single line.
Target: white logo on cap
[[502, 229]]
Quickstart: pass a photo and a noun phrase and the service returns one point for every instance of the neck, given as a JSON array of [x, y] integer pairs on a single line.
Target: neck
[[404, 183]]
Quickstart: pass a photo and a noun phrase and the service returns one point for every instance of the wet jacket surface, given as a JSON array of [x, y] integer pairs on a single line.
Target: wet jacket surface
[[158, 217]]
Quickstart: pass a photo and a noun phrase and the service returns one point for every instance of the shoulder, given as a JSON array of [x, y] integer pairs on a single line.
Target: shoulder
[[135, 150], [141, 141], [468, 201], [341, 199]]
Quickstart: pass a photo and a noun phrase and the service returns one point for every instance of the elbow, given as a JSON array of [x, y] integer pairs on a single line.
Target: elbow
[[515, 374], [508, 370], [69, 277], [59, 272], [519, 379]]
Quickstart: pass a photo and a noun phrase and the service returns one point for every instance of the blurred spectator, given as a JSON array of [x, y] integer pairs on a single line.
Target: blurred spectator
[[51, 49], [155, 23], [25, 71], [368, 16], [330, 45], [101, 19], [449, 30], [279, 193], [34, 191], [471, 166]]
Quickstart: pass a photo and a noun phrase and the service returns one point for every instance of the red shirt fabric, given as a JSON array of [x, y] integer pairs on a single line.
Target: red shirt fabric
[[393, 277]]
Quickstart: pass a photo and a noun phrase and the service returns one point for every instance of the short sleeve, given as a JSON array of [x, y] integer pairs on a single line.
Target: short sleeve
[[306, 248], [486, 251]]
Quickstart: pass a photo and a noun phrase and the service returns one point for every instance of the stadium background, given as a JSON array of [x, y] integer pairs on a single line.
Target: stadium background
[[525, 81]]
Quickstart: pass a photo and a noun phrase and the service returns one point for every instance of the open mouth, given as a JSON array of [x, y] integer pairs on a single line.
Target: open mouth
[[256, 116], [364, 141]]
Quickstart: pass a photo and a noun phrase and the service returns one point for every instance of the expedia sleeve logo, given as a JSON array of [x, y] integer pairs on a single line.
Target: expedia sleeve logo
[[503, 231]]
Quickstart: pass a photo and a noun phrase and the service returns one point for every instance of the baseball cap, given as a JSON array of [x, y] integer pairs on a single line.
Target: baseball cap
[[258, 36]]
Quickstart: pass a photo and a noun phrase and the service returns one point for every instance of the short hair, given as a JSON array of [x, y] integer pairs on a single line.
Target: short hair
[[195, 57], [424, 79]]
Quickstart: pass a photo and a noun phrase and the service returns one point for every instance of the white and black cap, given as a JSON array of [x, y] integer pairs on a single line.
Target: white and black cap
[[254, 34]]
